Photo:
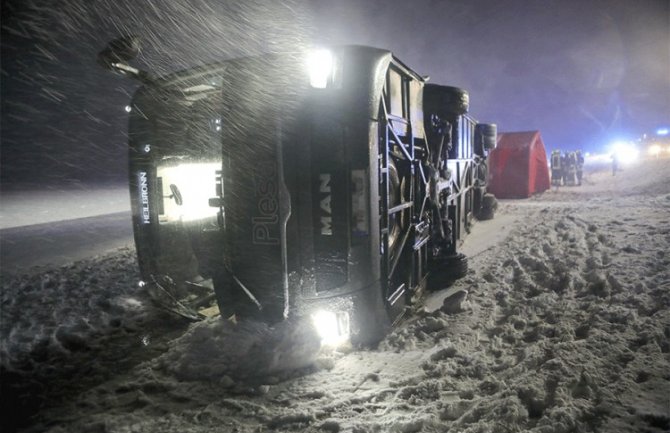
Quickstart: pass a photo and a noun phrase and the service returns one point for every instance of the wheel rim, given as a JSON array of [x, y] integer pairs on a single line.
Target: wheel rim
[[397, 197]]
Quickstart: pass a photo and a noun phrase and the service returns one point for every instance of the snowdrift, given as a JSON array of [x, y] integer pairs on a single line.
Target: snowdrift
[[565, 327]]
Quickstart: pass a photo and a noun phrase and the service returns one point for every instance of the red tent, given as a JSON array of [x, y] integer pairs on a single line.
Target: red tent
[[518, 165]]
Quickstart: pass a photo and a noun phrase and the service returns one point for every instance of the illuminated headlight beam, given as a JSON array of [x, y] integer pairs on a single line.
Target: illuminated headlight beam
[[320, 66], [333, 328]]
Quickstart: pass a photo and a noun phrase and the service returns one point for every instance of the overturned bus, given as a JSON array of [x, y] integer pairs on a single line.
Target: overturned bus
[[336, 184]]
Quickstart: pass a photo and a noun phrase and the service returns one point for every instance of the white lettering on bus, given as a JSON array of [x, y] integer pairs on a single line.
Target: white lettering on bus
[[327, 219], [265, 227], [144, 198]]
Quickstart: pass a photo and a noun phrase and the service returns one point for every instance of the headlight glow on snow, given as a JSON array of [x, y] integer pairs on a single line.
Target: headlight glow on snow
[[320, 66], [333, 328]]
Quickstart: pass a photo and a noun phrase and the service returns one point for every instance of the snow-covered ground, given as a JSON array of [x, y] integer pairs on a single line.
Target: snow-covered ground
[[565, 328], [24, 207]]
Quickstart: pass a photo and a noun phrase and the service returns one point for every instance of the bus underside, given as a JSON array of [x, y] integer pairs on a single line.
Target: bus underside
[[277, 200]]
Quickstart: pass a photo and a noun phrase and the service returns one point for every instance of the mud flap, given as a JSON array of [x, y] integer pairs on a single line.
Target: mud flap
[[370, 319]]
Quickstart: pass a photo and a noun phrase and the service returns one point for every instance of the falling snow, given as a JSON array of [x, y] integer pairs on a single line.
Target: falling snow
[[562, 324], [584, 74]]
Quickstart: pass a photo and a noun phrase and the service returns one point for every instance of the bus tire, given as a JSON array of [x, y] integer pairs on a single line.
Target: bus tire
[[446, 100], [445, 270], [489, 206]]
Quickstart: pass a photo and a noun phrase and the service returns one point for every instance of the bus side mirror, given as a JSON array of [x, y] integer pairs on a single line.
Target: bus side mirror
[[118, 53], [176, 194], [120, 50]]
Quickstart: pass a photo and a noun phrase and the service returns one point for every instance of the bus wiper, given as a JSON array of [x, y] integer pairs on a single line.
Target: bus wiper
[[176, 195]]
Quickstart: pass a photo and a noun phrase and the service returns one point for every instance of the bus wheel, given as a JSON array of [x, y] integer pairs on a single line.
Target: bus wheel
[[445, 270], [446, 101], [489, 206]]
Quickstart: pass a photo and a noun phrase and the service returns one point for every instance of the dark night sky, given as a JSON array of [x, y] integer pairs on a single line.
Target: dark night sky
[[582, 72]]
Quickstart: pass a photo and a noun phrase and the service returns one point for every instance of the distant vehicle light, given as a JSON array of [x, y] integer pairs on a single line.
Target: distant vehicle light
[[654, 150], [320, 66], [662, 131], [333, 328], [624, 152]]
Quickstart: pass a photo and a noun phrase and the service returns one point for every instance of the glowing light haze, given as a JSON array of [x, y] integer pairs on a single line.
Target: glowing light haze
[[584, 73]]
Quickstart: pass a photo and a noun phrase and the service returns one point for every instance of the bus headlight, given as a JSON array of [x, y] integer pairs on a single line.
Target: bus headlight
[[321, 68], [333, 328]]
